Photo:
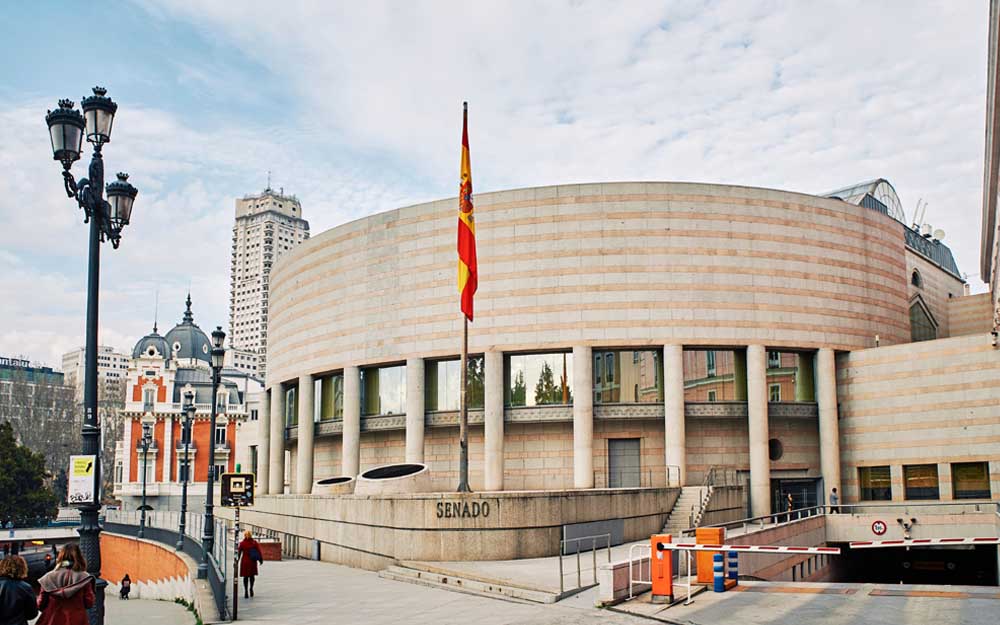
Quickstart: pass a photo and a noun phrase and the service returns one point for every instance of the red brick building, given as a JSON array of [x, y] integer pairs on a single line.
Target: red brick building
[[162, 371]]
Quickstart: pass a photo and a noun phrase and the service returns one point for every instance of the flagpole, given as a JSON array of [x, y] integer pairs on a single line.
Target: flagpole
[[463, 414]]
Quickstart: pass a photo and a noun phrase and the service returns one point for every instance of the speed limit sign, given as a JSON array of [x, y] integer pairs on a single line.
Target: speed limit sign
[[878, 528]]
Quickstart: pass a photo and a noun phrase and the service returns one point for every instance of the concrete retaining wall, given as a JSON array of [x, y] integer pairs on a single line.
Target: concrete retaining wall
[[156, 571], [375, 532]]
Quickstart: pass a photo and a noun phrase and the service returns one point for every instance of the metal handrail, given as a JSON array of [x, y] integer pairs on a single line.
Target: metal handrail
[[631, 564], [593, 549], [851, 508]]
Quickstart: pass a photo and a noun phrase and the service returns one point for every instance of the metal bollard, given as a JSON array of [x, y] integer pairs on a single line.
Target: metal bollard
[[734, 566], [718, 567]]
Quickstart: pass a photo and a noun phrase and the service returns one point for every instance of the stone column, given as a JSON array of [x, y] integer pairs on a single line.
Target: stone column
[[829, 429], [493, 421], [739, 375], [307, 432], [675, 441], [583, 417], [276, 478], [415, 410], [264, 445], [804, 381], [351, 438], [760, 462]]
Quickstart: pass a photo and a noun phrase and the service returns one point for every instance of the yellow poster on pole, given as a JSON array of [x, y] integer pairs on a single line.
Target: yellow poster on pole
[[81, 479]]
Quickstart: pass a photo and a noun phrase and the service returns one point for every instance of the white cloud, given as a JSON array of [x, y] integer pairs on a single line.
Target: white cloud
[[802, 96]]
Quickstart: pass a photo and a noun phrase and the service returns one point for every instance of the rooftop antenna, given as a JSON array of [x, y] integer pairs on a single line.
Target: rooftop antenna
[[156, 308], [916, 209]]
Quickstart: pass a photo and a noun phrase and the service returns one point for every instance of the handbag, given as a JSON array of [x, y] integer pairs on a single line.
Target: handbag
[[254, 554]]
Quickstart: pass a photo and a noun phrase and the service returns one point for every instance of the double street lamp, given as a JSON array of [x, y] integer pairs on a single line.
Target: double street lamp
[[145, 441], [107, 218], [185, 464], [208, 537]]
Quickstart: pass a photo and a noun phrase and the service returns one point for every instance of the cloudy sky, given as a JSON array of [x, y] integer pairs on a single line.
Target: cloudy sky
[[355, 108]]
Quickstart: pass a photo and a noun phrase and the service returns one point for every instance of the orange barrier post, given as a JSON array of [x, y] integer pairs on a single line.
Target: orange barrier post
[[703, 559], [661, 570]]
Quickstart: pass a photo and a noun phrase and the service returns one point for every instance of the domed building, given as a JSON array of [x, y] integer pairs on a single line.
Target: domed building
[[163, 369]]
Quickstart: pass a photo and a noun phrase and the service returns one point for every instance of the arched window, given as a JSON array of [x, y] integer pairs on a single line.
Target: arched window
[[916, 280], [922, 327]]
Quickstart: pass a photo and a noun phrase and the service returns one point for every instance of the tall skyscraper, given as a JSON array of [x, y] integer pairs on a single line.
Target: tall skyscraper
[[267, 227]]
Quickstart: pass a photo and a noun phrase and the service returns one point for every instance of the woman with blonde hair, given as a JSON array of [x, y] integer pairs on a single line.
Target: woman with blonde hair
[[67, 591], [250, 557], [17, 599]]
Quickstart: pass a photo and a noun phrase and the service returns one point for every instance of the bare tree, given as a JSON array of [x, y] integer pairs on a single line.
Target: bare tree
[[44, 415]]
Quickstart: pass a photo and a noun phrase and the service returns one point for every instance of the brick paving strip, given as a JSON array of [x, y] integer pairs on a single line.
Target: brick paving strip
[[943, 594]]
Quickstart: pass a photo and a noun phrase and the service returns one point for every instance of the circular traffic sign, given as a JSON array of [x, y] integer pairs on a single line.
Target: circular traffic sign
[[878, 528]]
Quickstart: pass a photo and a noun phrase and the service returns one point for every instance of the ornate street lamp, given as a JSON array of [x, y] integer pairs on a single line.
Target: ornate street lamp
[[208, 538], [146, 441], [107, 219], [185, 463]]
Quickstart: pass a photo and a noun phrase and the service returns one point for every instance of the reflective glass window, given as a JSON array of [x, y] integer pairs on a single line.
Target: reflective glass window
[[331, 398], [630, 377], [970, 480], [920, 481], [714, 375], [291, 407], [383, 390], [539, 379], [921, 326], [443, 381], [875, 483]]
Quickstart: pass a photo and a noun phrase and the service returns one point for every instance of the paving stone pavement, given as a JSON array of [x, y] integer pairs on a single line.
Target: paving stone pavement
[[144, 612], [302, 592]]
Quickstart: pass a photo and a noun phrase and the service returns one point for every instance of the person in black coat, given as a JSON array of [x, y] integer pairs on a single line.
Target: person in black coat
[[17, 599]]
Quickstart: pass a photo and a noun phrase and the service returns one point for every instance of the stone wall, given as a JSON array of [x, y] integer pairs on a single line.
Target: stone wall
[[373, 532], [603, 265], [939, 289], [970, 314], [156, 571], [928, 402]]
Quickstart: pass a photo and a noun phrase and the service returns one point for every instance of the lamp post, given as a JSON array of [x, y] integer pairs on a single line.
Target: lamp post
[[147, 439], [186, 463], [107, 219], [208, 538]]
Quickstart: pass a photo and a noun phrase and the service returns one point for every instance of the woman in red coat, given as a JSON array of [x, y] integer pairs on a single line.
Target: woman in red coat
[[250, 556], [67, 591]]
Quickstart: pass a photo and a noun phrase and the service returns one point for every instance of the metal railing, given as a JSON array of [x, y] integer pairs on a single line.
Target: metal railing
[[633, 561], [789, 516], [595, 541], [163, 527]]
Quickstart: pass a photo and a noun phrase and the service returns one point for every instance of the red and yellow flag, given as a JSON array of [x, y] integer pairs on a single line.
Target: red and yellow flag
[[468, 272]]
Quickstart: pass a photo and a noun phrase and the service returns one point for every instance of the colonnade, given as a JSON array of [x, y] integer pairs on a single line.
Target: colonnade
[[753, 361]]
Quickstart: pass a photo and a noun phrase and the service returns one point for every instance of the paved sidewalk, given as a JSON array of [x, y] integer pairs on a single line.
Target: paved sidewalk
[[145, 612], [305, 592]]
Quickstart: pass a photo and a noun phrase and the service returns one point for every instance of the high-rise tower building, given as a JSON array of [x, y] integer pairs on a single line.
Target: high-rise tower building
[[267, 227]]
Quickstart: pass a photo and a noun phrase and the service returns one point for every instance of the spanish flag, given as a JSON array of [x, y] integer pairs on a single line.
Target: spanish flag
[[468, 272]]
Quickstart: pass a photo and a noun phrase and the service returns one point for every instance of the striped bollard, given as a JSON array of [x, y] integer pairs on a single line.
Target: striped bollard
[[720, 578], [734, 566]]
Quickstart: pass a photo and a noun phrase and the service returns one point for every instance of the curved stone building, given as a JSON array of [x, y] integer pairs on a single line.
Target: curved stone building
[[626, 334]]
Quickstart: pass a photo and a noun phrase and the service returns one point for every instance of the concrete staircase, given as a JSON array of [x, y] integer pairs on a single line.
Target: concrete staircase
[[424, 575], [687, 510]]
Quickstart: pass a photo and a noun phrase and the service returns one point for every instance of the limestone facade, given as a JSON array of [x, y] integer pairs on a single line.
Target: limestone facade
[[787, 286]]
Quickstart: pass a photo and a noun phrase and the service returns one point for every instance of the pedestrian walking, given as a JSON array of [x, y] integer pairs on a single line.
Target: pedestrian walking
[[250, 557], [834, 501], [126, 587], [789, 504], [17, 599], [10, 528], [68, 591]]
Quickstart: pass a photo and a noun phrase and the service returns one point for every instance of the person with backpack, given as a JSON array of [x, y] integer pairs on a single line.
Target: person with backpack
[[17, 599], [67, 591], [250, 557], [126, 587]]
